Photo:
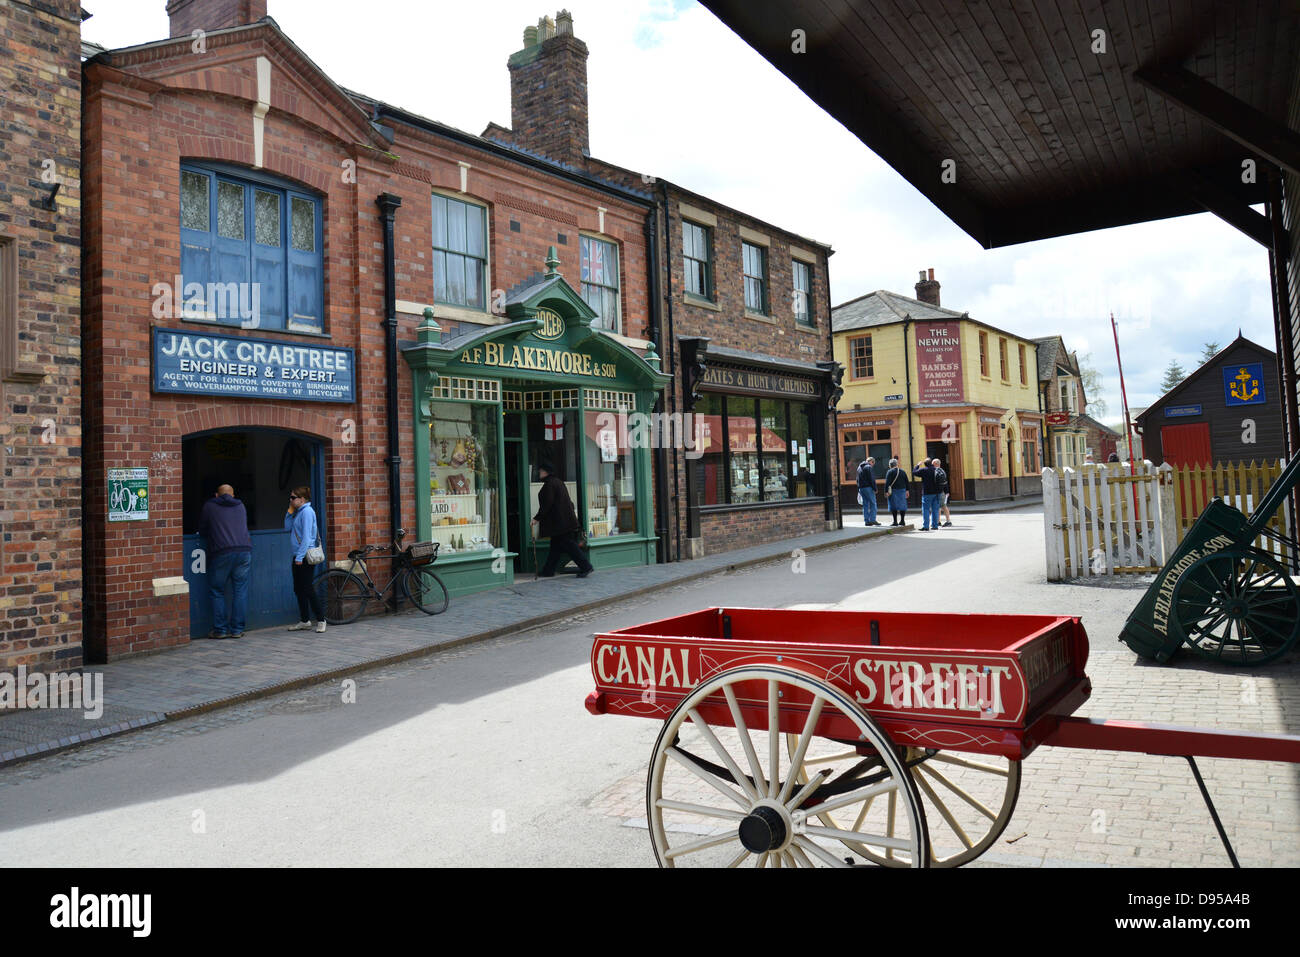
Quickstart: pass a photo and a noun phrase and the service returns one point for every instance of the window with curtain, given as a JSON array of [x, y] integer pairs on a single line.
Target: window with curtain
[[755, 270], [802, 293], [599, 274], [255, 248], [459, 253], [697, 260]]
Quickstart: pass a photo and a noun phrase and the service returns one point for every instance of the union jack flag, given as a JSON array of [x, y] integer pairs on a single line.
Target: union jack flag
[[553, 423]]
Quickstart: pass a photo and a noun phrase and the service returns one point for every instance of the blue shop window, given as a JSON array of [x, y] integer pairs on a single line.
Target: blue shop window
[[251, 253]]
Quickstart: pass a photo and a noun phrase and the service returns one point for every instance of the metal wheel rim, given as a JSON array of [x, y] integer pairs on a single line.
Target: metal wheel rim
[[343, 596], [953, 821], [425, 590], [1235, 607], [721, 813]]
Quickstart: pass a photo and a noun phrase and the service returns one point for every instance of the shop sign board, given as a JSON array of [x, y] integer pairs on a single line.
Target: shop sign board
[[128, 495], [203, 363], [724, 378], [938, 362]]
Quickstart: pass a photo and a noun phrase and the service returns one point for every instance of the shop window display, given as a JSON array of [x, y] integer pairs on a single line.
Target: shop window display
[[610, 475], [464, 486]]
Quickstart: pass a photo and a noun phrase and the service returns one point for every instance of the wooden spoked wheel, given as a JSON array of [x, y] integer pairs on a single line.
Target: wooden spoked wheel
[[1238, 607], [968, 800], [729, 796]]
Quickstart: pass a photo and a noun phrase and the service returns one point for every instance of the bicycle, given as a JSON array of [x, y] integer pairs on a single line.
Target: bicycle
[[344, 594]]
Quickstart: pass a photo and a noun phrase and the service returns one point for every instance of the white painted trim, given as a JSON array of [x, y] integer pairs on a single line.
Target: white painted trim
[[164, 587], [260, 109], [464, 175]]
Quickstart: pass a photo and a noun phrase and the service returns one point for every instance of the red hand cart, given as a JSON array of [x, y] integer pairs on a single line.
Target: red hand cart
[[791, 737]]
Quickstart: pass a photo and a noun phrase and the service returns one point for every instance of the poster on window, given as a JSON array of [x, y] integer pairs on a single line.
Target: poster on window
[[938, 362]]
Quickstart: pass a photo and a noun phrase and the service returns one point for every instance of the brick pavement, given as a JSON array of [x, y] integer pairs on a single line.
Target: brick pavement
[[203, 675]]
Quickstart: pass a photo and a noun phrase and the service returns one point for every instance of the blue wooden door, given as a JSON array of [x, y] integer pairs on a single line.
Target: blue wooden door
[[271, 600]]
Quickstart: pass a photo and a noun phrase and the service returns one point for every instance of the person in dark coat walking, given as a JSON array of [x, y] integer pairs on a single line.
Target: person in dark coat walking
[[557, 520], [896, 491], [223, 524]]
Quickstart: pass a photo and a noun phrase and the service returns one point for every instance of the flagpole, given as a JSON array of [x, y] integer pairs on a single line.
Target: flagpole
[[1128, 426]]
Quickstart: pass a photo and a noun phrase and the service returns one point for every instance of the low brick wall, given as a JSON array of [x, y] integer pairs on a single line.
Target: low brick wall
[[726, 530]]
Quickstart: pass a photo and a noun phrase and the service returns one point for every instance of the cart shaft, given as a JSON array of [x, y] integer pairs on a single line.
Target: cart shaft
[[1100, 734]]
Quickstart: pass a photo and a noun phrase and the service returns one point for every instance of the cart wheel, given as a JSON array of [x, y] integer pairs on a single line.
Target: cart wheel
[[704, 810], [968, 800], [1238, 607]]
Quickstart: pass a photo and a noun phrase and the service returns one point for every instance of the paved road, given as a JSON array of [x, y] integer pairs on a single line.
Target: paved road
[[483, 755]]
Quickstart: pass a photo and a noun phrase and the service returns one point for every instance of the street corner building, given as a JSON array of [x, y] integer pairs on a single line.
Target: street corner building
[[925, 381], [40, 335], [294, 284]]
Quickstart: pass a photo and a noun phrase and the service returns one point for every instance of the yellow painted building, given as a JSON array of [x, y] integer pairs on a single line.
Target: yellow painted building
[[922, 381]]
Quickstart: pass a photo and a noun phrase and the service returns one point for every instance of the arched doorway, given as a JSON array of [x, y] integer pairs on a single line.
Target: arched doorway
[[262, 465]]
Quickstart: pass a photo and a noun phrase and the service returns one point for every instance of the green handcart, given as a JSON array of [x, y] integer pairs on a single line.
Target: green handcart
[[1227, 598]]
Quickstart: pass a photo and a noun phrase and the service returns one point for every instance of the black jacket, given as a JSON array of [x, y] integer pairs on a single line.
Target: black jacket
[[895, 478], [928, 485], [866, 477], [555, 514]]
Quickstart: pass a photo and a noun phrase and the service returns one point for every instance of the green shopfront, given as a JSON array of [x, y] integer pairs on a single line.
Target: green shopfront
[[490, 406]]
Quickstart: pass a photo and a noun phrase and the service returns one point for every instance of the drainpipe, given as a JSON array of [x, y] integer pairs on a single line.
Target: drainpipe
[[656, 336], [669, 352], [907, 378], [388, 204]]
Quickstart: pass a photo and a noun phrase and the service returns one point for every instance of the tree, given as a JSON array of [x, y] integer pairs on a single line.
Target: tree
[[1092, 387], [1211, 350], [1173, 375]]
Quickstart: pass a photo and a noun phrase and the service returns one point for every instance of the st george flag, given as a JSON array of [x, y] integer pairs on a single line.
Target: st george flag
[[554, 426]]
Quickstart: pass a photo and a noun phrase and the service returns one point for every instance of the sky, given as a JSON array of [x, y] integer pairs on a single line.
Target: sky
[[676, 94]]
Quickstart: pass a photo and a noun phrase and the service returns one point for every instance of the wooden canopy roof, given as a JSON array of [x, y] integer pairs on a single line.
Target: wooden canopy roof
[[1051, 127]]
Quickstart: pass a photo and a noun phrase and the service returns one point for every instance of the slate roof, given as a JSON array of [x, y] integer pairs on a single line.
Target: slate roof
[[882, 307]]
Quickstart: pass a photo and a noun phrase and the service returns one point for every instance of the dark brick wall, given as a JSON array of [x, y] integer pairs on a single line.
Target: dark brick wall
[[548, 98], [40, 391], [729, 325]]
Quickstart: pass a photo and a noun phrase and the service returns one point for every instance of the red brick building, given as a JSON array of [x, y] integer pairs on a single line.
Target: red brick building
[[40, 342], [741, 315], [228, 160]]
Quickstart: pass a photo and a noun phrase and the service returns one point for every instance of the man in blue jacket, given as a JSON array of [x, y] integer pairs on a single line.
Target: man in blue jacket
[[224, 527]]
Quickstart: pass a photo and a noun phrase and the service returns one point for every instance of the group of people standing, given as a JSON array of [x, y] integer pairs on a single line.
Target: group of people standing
[[934, 493]]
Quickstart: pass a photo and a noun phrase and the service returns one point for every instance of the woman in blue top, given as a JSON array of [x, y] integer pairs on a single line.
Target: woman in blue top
[[300, 520]]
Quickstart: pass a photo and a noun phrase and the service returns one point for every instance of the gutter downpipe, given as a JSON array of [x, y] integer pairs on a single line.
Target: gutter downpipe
[[388, 203], [907, 378], [661, 453], [670, 353]]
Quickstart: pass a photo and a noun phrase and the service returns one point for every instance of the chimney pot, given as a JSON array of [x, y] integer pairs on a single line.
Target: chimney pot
[[564, 23], [932, 275], [530, 37], [921, 278]]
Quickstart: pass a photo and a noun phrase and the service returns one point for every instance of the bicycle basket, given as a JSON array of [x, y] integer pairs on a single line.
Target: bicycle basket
[[423, 553]]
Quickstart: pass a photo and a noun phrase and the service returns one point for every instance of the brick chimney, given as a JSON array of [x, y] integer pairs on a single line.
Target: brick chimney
[[548, 91], [189, 15], [927, 289]]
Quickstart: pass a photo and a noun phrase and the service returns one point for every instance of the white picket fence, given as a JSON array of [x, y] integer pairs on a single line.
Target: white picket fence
[[1102, 521]]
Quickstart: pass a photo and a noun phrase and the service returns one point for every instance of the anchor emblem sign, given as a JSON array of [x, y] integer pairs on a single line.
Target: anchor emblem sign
[[1244, 384]]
